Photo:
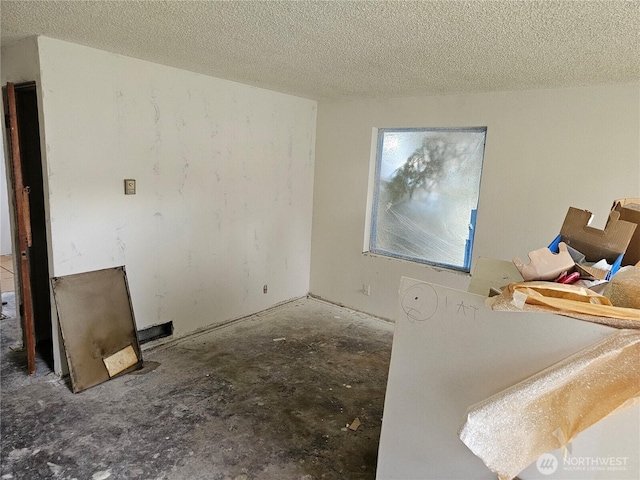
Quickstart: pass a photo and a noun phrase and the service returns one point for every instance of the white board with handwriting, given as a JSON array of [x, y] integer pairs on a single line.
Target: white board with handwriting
[[451, 351]]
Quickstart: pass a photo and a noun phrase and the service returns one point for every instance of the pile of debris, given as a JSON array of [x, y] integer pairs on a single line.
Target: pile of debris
[[584, 272]]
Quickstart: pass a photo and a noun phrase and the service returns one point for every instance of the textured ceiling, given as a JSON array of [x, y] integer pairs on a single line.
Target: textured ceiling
[[338, 49]]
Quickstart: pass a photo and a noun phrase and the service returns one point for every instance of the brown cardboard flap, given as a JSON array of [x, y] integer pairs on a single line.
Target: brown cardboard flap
[[594, 243], [591, 273], [629, 209]]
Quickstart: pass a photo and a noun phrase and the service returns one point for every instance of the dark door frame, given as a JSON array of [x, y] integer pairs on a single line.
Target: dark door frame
[[25, 175]]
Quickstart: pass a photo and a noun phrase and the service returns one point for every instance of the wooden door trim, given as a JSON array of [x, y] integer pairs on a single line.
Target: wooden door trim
[[23, 223]]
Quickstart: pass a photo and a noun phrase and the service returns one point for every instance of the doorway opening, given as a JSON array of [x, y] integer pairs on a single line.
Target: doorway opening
[[33, 280]]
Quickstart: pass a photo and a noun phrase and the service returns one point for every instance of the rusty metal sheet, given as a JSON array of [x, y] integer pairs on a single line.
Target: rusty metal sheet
[[97, 322]]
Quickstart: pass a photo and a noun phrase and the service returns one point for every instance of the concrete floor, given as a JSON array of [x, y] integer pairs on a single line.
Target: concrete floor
[[266, 397]]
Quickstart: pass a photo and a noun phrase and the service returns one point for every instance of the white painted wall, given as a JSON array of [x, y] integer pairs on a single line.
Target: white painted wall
[[5, 224], [546, 150], [224, 184]]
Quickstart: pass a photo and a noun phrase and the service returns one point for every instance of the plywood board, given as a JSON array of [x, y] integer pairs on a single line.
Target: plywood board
[[449, 352], [97, 322]]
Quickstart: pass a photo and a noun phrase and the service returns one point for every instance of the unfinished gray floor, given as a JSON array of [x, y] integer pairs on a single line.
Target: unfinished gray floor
[[236, 402]]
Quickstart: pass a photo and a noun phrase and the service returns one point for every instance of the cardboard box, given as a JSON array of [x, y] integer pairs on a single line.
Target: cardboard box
[[609, 244], [629, 209]]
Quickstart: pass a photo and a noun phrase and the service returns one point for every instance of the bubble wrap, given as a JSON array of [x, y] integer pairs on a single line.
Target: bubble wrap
[[509, 430]]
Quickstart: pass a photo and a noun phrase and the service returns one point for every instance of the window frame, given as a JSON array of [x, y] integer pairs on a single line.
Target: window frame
[[372, 220]]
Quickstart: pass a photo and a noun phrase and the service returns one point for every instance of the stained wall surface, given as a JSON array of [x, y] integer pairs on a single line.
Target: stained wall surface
[[224, 184], [546, 150]]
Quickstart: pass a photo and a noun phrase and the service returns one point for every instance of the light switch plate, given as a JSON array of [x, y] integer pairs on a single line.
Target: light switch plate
[[129, 186]]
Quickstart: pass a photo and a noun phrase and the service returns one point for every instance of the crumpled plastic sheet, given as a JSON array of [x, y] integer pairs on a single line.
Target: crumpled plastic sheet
[[509, 430], [568, 300]]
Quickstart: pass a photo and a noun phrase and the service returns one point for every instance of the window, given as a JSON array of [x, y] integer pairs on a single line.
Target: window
[[426, 189]]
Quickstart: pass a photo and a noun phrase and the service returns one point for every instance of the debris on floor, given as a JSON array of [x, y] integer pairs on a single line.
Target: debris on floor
[[355, 424], [101, 475], [218, 405]]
